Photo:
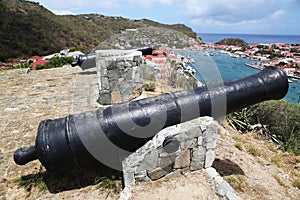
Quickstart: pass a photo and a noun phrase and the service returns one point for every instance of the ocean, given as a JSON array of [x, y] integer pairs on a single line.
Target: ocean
[[252, 38], [226, 68]]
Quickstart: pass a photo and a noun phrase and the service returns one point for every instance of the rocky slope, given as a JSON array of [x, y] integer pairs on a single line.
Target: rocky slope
[[28, 28]]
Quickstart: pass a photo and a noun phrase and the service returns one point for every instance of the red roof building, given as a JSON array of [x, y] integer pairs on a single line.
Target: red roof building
[[39, 62]]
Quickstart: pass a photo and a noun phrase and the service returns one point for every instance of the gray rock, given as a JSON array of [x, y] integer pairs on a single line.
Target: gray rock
[[165, 161], [189, 144], [183, 160], [113, 74], [212, 172], [104, 83], [223, 188], [159, 172], [104, 97], [126, 90], [151, 160], [198, 157], [232, 196], [209, 158], [176, 173], [129, 179], [218, 179]]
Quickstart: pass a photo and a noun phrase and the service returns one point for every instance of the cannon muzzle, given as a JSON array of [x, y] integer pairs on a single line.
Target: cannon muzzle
[[112, 133]]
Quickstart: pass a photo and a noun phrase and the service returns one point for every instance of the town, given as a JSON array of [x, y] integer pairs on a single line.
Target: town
[[285, 56]]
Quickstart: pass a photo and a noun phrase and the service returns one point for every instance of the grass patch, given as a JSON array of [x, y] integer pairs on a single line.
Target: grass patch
[[150, 86], [238, 182], [296, 173], [239, 146], [253, 150], [239, 138], [280, 181], [296, 183], [277, 160], [33, 180], [108, 185]]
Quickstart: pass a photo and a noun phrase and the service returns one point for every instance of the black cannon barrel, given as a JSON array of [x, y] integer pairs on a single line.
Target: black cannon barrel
[[87, 61], [116, 131]]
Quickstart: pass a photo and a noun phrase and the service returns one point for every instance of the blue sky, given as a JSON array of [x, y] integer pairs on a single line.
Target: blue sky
[[213, 16]]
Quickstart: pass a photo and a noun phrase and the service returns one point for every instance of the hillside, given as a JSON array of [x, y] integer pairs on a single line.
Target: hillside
[[233, 41], [28, 28]]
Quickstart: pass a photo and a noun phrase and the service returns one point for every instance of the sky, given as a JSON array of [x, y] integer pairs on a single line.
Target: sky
[[203, 16]]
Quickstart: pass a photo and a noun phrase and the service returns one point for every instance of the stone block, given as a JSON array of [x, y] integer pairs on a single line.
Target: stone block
[[113, 74], [104, 97], [198, 158], [183, 160], [126, 90], [209, 158], [159, 172], [116, 97], [223, 188], [174, 174], [104, 83], [165, 161], [189, 144], [212, 172], [231, 196]]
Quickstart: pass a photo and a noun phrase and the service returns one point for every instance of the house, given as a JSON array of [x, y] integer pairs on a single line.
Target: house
[[39, 62]]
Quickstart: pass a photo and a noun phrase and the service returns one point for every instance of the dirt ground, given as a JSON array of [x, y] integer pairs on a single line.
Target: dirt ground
[[27, 99]]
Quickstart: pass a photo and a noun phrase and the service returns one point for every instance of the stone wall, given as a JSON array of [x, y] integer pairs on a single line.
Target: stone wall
[[175, 151], [120, 75]]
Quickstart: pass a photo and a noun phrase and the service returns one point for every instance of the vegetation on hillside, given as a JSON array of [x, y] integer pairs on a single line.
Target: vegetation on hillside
[[233, 41], [28, 28], [280, 121]]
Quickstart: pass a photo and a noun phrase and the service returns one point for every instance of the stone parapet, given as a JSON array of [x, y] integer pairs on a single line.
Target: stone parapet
[[120, 75]]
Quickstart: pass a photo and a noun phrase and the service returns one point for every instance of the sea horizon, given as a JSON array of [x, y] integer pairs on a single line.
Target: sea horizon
[[252, 38]]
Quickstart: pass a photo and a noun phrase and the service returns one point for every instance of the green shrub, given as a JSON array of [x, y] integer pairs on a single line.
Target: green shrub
[[56, 62], [26, 64], [283, 120], [150, 86], [242, 121]]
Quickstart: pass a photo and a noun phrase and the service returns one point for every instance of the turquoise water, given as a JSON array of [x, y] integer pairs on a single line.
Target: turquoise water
[[251, 38], [222, 66]]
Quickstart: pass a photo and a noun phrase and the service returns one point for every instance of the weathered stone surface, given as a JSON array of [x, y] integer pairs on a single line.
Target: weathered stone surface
[[113, 74], [212, 172], [104, 98], [218, 179], [193, 132], [200, 140], [209, 158], [232, 196], [142, 176], [223, 188], [183, 160], [126, 90], [116, 97], [189, 144], [159, 172], [104, 83], [198, 158], [129, 178], [173, 174], [165, 161]]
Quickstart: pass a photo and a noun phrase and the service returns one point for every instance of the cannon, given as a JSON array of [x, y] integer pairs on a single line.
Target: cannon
[[87, 61], [109, 135]]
